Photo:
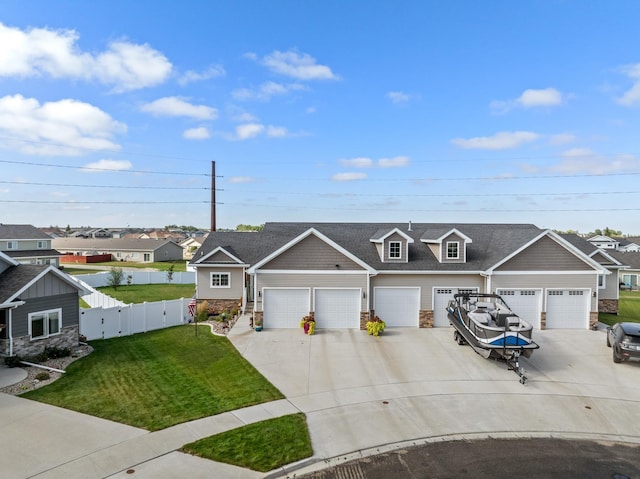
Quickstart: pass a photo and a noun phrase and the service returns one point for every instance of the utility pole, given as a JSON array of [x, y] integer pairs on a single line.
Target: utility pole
[[213, 196]]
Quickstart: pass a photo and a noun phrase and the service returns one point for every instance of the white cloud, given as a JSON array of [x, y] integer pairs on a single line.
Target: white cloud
[[585, 161], [530, 98], [297, 65], [266, 91], [361, 162], [632, 95], [398, 97], [175, 106], [395, 162], [106, 165], [40, 51], [200, 133], [349, 176], [241, 179], [64, 127], [191, 76], [562, 139], [503, 140], [248, 130], [276, 131]]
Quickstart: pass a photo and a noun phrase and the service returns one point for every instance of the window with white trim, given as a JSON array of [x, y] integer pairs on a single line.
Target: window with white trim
[[220, 280], [395, 250], [45, 323], [453, 249], [601, 281], [12, 245], [42, 244]]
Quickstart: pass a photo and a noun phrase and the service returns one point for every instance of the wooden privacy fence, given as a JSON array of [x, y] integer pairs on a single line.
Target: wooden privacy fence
[[104, 323]]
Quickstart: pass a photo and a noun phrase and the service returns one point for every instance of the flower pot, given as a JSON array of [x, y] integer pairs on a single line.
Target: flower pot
[[258, 328]]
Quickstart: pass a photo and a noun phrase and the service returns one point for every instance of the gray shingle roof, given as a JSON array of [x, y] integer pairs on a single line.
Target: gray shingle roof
[[491, 242], [15, 278], [109, 244], [631, 258], [17, 232]]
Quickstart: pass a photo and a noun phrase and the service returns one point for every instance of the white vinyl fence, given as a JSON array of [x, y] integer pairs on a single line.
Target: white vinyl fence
[[103, 323], [98, 280]]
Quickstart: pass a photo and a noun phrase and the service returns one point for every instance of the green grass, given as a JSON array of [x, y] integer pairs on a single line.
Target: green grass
[[139, 293], [261, 446], [79, 271], [158, 379], [628, 309], [178, 266]]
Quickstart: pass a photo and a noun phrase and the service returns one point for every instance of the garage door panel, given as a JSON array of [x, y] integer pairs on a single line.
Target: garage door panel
[[284, 308], [526, 303], [397, 307], [337, 308], [567, 309], [441, 298]]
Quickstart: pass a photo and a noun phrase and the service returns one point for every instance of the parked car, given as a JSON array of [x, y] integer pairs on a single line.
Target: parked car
[[624, 339]]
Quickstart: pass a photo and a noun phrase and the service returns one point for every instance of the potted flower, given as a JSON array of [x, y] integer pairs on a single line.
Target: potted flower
[[375, 326], [258, 324], [308, 324]]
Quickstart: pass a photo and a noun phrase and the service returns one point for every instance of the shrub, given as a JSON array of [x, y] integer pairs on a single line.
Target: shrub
[[54, 352], [12, 361], [43, 376], [375, 326]]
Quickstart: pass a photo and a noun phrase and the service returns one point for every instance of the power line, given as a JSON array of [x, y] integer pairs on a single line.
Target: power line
[[439, 195], [82, 202], [109, 186], [31, 163]]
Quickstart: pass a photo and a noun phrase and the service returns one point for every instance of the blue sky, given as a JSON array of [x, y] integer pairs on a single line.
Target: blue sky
[[511, 112]]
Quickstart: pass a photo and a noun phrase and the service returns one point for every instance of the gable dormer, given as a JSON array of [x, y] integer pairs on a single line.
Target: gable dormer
[[448, 246], [392, 245]]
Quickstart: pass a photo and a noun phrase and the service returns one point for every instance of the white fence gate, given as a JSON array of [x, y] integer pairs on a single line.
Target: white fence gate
[[104, 323]]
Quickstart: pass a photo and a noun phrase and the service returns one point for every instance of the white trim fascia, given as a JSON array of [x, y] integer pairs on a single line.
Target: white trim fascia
[[304, 235], [11, 305], [430, 273], [604, 253], [220, 265], [452, 230], [562, 242], [8, 259], [552, 273], [51, 269], [394, 230], [214, 251], [309, 271]]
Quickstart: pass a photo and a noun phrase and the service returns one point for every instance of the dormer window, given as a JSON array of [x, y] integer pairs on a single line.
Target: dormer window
[[395, 249], [453, 250]]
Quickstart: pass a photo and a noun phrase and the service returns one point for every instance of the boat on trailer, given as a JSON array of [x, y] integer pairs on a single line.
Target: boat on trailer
[[491, 328]]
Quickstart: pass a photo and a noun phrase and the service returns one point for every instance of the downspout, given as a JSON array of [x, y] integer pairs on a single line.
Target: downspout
[[12, 306], [487, 281]]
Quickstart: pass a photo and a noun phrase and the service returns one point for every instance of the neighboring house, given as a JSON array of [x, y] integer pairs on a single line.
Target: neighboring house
[[27, 244], [629, 244], [39, 307], [190, 246], [617, 244], [630, 277], [344, 273], [125, 249]]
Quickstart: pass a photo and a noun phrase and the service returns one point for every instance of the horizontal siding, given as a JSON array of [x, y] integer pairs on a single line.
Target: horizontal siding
[[297, 280], [544, 282], [68, 302], [427, 283], [49, 285], [312, 254], [545, 255], [203, 281]]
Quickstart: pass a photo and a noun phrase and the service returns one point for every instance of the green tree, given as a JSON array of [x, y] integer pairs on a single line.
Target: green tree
[[115, 277], [170, 273], [249, 228]]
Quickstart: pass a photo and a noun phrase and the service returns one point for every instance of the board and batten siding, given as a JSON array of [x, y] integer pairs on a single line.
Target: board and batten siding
[[312, 253], [203, 280], [48, 285], [427, 283], [548, 281], [545, 255], [310, 280], [68, 302]]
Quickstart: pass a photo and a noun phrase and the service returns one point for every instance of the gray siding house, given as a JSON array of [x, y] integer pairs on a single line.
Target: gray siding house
[[121, 249], [345, 273], [39, 307], [27, 244]]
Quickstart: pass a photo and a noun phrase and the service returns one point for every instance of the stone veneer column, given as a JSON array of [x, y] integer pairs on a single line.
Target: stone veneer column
[[425, 318], [593, 320], [608, 306], [24, 346], [364, 317], [543, 320]]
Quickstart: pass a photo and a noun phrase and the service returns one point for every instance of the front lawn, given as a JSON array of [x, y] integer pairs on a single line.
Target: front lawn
[[158, 379], [139, 293], [178, 265], [628, 309], [261, 446]]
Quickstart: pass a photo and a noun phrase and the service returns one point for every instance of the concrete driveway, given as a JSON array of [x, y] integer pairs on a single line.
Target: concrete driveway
[[361, 394]]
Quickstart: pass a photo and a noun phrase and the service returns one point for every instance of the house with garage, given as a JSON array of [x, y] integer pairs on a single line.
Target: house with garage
[[39, 307], [344, 273], [630, 276], [121, 249], [27, 244]]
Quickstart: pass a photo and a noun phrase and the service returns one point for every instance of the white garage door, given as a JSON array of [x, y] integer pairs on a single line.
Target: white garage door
[[337, 308], [397, 307], [284, 308], [568, 308], [526, 303], [441, 298]]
